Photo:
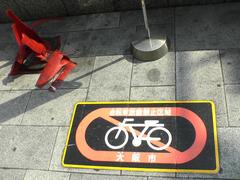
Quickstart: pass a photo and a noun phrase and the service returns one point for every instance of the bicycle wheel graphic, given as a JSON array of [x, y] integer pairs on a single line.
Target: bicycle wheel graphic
[[113, 138], [155, 134]]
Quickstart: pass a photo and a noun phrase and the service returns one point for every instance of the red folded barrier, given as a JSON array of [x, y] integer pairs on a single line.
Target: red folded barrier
[[37, 54]]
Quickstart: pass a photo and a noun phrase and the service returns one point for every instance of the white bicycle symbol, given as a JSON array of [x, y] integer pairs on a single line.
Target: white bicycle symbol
[[137, 140]]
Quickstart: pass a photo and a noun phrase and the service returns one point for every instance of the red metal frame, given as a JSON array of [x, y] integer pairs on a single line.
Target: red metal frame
[[54, 61]]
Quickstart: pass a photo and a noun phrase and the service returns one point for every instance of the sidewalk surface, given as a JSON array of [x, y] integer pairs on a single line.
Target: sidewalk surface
[[203, 64]]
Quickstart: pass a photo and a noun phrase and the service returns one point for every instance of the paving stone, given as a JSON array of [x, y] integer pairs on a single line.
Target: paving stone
[[113, 41], [3, 85], [159, 72], [195, 2], [166, 178], [46, 175], [155, 16], [111, 78], [12, 106], [230, 65], [149, 174], [191, 91], [233, 104], [199, 77], [58, 152], [198, 67], [14, 6], [42, 9], [153, 93], [10, 174], [103, 177], [8, 50], [48, 108], [95, 6], [208, 27], [78, 44], [229, 155], [125, 5], [72, 7], [20, 82], [80, 76], [5, 67], [26, 147], [99, 42], [103, 20], [133, 5], [63, 24]]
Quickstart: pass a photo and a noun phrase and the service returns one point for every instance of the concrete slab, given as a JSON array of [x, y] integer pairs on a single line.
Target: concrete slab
[[78, 44], [125, 5], [103, 20], [111, 78], [22, 82], [81, 74], [229, 158], [233, 104], [113, 41], [188, 91], [58, 152], [63, 24], [155, 178], [154, 73], [199, 77], [135, 18], [48, 108], [96, 177], [99, 42], [3, 86], [5, 67], [78, 23], [20, 151], [230, 65], [8, 37], [10, 174], [153, 93], [46, 175], [8, 49], [198, 67], [14, 102], [42, 9], [190, 2], [14, 5], [95, 6], [149, 174], [208, 27]]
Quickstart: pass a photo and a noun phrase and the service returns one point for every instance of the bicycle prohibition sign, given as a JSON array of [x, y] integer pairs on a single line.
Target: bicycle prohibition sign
[[138, 139]]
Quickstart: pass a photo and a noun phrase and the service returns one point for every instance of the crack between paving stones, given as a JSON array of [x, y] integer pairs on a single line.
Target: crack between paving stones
[[224, 88], [25, 110], [130, 85], [55, 142]]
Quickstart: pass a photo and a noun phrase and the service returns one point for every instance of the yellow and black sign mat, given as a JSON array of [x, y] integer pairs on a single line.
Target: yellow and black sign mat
[[168, 136]]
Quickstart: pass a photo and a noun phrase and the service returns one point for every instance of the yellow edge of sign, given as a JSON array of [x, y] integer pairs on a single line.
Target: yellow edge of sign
[[215, 171]]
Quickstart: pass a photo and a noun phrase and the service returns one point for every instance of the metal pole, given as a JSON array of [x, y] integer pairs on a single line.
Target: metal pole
[[149, 48], [145, 18]]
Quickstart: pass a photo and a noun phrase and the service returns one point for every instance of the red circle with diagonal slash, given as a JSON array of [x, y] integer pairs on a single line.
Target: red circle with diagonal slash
[[173, 157]]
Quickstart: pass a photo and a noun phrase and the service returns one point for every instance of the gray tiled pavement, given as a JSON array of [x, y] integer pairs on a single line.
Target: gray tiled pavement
[[10, 174], [203, 65], [46, 175], [26, 147]]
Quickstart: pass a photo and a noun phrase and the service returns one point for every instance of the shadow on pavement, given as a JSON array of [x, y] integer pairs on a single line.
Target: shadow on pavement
[[60, 92]]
